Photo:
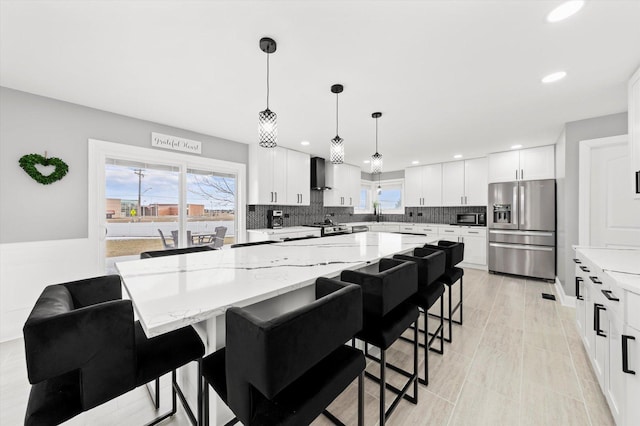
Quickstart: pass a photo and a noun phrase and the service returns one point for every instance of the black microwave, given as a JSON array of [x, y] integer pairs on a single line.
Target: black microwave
[[471, 219]]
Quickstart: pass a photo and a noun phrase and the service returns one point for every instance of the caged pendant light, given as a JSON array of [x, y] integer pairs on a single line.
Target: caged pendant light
[[376, 159], [337, 143], [267, 119]]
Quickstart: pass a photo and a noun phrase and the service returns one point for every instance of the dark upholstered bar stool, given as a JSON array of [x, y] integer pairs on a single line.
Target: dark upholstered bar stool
[[454, 255], [173, 252], [286, 370], [83, 348], [386, 289], [431, 265]]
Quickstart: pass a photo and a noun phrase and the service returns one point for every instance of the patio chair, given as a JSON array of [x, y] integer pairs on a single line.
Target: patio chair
[[164, 241], [174, 235], [218, 240]]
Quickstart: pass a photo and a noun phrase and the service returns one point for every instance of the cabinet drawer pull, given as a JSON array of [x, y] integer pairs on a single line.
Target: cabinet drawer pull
[[597, 307], [625, 354], [595, 280], [609, 295], [578, 281], [446, 230], [577, 260], [473, 232], [584, 268]]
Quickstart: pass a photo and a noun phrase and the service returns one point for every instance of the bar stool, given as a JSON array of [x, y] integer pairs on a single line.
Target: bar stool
[[454, 255], [286, 370], [386, 289], [431, 266]]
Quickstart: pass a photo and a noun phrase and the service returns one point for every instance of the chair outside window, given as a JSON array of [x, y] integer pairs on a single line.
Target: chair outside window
[[165, 244], [83, 348]]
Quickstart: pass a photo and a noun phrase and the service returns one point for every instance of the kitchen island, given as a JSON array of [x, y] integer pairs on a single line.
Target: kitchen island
[[196, 289]]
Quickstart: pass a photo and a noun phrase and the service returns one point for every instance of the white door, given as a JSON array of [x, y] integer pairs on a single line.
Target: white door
[[413, 187], [614, 216], [453, 183], [537, 163], [432, 185], [504, 166], [475, 182]]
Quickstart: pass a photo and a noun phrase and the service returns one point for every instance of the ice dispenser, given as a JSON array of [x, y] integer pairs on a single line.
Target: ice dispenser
[[502, 213]]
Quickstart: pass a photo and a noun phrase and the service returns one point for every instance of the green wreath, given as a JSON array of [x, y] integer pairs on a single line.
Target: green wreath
[[28, 163]]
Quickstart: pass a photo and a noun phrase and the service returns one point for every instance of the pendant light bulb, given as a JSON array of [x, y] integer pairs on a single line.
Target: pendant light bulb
[[336, 148], [267, 119], [376, 159]]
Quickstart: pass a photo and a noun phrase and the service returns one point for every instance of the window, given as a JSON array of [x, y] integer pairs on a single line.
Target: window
[[390, 197], [365, 204]]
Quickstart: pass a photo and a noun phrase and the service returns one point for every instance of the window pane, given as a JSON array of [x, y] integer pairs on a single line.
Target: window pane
[[390, 197], [364, 203]]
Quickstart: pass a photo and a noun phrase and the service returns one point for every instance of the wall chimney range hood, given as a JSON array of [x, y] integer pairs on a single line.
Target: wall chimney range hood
[[317, 174]]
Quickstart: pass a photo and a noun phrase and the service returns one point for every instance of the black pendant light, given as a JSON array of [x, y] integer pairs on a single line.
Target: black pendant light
[[376, 159], [337, 143], [267, 119]]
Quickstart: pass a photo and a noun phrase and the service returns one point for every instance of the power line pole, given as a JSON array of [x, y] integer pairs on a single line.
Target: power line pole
[[140, 174]]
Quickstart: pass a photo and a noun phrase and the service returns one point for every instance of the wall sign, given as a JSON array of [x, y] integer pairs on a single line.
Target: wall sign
[[175, 143]]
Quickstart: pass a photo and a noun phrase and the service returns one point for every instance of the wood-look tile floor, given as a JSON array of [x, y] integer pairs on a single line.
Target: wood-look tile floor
[[517, 360]]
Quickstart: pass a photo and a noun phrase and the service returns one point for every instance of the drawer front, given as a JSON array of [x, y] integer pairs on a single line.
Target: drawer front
[[426, 230], [451, 232], [408, 229], [474, 232]]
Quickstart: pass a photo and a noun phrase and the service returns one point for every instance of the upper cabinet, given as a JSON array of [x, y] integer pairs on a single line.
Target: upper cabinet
[[525, 164], [634, 132], [278, 176], [464, 183], [423, 186], [344, 181]]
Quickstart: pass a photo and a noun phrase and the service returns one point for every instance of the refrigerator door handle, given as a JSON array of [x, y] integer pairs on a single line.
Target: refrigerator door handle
[[527, 233], [521, 247], [523, 208], [516, 205]]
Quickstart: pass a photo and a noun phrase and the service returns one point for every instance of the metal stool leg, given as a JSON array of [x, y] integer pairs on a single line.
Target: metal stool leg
[[383, 383]]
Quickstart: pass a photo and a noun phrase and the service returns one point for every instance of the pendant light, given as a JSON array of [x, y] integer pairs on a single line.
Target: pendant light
[[376, 159], [337, 143], [267, 124]]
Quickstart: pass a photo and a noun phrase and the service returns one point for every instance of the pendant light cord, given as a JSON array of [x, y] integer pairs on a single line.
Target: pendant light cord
[[267, 81], [336, 114], [376, 135]]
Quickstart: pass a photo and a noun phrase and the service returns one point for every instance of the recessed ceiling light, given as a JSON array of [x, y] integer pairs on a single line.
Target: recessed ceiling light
[[565, 10], [366, 161], [457, 156], [516, 146], [305, 143], [415, 162], [553, 77]]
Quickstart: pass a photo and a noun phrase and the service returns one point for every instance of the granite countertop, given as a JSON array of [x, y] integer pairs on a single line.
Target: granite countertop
[[623, 265], [174, 291]]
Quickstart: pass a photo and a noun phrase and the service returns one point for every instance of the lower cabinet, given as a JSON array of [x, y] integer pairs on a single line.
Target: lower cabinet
[[605, 322], [475, 243]]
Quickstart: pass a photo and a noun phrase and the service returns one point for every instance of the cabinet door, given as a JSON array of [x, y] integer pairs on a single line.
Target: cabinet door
[[504, 166], [634, 133], [261, 163], [333, 196], [413, 187], [475, 182], [632, 381], [453, 183], [614, 383], [298, 178], [279, 167], [537, 163], [601, 342], [352, 197], [432, 185], [475, 249]]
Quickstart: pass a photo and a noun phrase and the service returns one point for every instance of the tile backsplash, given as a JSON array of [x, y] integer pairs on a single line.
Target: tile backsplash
[[316, 212]]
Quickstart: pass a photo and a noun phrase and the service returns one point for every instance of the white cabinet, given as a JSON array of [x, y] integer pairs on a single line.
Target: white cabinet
[[298, 178], [474, 239], [634, 132], [526, 164], [278, 176], [344, 181], [464, 183], [453, 183], [605, 317], [423, 186]]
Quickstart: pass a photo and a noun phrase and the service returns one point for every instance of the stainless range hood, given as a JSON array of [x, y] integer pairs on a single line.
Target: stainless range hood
[[317, 174]]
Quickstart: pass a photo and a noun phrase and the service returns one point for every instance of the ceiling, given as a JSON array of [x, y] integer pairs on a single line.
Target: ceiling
[[450, 77]]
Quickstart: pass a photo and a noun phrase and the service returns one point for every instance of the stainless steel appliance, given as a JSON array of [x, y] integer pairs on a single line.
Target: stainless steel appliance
[[471, 219], [522, 228], [327, 229], [274, 219]]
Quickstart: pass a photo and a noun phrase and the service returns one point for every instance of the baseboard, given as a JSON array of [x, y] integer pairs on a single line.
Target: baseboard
[[569, 301]]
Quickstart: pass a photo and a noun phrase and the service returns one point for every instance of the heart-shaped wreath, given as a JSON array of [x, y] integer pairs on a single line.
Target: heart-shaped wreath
[[28, 163]]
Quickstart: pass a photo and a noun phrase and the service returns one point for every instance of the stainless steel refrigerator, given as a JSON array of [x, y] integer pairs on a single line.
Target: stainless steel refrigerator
[[522, 228]]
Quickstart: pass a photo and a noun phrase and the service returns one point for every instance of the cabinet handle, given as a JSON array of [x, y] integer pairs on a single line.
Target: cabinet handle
[[276, 196], [609, 295], [625, 354], [638, 182], [473, 232], [350, 201], [584, 268], [272, 196], [578, 281], [597, 307], [447, 230], [595, 280], [516, 174], [521, 174], [577, 260]]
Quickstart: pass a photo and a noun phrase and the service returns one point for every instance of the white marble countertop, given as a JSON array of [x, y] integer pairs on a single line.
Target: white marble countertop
[[174, 291], [623, 265]]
